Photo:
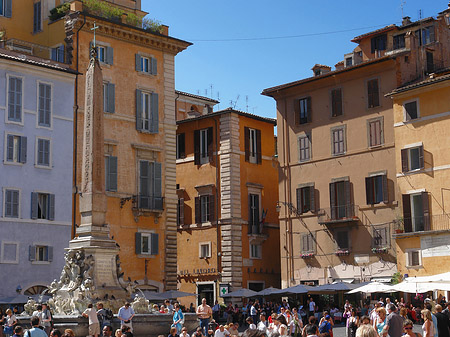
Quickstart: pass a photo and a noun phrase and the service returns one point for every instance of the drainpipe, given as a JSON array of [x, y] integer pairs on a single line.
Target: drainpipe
[[219, 253], [75, 137], [289, 194]]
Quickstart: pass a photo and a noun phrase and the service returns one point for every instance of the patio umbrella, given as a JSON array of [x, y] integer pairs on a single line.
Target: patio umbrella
[[421, 287], [372, 287], [243, 292], [268, 291], [443, 278], [18, 299], [171, 294], [298, 289]]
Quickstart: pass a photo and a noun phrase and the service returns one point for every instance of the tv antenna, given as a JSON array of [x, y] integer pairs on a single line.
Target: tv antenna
[[235, 102], [402, 5], [246, 103]]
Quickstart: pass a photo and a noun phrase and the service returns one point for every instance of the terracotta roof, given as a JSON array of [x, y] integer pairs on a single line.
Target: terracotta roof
[[423, 83], [230, 110], [203, 98], [378, 31], [33, 60], [320, 66], [269, 91]]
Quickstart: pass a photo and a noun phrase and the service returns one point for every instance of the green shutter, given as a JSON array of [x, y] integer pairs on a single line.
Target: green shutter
[[111, 88], [112, 173], [138, 62], [34, 205], [51, 207], [157, 186], [144, 178], [154, 127], [49, 253], [138, 240], [139, 121], [154, 246]]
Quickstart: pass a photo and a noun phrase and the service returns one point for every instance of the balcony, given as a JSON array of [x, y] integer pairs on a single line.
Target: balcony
[[418, 225], [338, 214]]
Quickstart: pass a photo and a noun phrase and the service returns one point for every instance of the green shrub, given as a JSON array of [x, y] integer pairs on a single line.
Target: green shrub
[[59, 11], [151, 25]]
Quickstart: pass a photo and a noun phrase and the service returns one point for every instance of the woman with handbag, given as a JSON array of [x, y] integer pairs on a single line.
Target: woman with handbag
[[178, 318], [11, 321]]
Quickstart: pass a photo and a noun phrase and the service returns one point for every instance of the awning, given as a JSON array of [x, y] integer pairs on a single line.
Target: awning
[[372, 287], [346, 280], [243, 292]]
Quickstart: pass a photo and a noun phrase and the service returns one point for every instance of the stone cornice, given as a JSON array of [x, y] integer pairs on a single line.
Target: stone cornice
[[130, 34]]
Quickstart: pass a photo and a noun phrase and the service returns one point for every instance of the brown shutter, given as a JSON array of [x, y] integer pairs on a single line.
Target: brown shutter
[[297, 112], [258, 147], [211, 208], [421, 161], [312, 198], [308, 102], [197, 147], [247, 143], [198, 215], [369, 190], [181, 214], [299, 201], [250, 214], [404, 155], [210, 143], [182, 145], [385, 189], [406, 199], [333, 210], [426, 211], [348, 204]]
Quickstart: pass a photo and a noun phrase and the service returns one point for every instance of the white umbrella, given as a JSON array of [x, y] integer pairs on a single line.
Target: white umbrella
[[441, 278], [373, 287], [421, 287]]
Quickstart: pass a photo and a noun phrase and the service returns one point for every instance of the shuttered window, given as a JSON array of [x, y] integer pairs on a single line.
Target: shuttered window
[[375, 132], [376, 189], [180, 212], [43, 152], [413, 258], [203, 146], [373, 93], [205, 250], [252, 145], [12, 203], [308, 243], [111, 173], [253, 214], [105, 54], [146, 243], [204, 208], [41, 253], [37, 19], [181, 146], [338, 141], [336, 102], [305, 199], [45, 103], [416, 212], [6, 8], [340, 200], [412, 159], [399, 41], [16, 149], [150, 186], [42, 206], [109, 97], [302, 110], [146, 64], [147, 112], [426, 35], [304, 145], [15, 99], [381, 237]]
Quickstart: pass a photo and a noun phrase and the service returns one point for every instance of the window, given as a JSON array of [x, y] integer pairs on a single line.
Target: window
[[302, 110], [105, 54], [16, 149], [111, 173], [37, 17], [41, 253], [180, 212], [58, 54], [308, 243], [150, 188], [9, 252], [336, 102], [349, 61], [338, 141], [252, 145], [254, 224], [101, 53], [381, 237], [146, 243], [146, 64], [340, 202], [373, 94], [412, 159], [410, 110], [12, 198], [342, 240], [204, 208], [375, 132], [181, 150], [376, 189], [147, 112], [15, 99], [43, 152], [6, 8], [416, 212], [42, 206], [399, 41], [426, 35], [413, 258], [430, 62], [304, 145], [255, 251], [45, 104], [109, 97], [203, 146], [205, 250], [378, 43], [305, 199]]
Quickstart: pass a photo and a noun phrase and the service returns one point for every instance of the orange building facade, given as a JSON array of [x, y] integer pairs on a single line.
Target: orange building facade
[[139, 107], [227, 179]]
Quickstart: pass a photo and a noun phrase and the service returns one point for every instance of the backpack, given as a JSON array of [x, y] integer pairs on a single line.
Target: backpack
[[109, 314], [324, 327]]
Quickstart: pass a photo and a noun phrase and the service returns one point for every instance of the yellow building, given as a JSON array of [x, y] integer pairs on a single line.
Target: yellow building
[[421, 124], [139, 104], [227, 181]]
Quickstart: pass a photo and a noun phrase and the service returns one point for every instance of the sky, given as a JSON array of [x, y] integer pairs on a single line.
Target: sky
[[241, 47]]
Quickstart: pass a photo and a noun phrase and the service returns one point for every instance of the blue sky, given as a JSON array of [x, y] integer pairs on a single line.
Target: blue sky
[[242, 47]]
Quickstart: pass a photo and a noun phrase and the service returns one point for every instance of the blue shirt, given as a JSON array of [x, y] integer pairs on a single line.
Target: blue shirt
[[435, 325], [125, 314], [35, 332]]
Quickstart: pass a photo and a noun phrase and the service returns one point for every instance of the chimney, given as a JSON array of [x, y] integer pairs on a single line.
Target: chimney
[[320, 69], [339, 65], [406, 21]]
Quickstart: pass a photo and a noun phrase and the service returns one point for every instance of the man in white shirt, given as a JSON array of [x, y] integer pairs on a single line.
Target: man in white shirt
[[221, 332], [263, 323], [312, 307], [94, 326]]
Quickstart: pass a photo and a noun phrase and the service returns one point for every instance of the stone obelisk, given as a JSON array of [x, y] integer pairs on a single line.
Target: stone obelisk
[[92, 236]]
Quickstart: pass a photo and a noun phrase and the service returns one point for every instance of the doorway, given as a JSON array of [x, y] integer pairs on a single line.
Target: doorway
[[205, 290]]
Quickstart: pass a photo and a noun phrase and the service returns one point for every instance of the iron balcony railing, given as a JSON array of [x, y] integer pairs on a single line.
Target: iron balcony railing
[[437, 222], [336, 214]]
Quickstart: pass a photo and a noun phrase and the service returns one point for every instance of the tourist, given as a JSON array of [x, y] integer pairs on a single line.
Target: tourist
[[107, 331], [55, 333], [204, 313], [283, 330], [233, 329], [365, 320], [94, 326], [312, 307], [11, 321], [403, 312], [250, 323], [103, 316], [69, 332], [381, 320], [311, 330], [198, 332], [210, 333], [325, 324], [366, 330], [2, 320], [168, 306], [216, 311], [374, 314], [173, 332], [311, 321], [221, 332], [126, 331], [408, 328], [35, 331], [118, 333], [428, 326], [192, 308], [126, 314], [352, 323], [296, 323], [394, 323], [184, 332], [178, 318], [443, 322], [46, 321], [445, 311], [429, 306], [38, 312], [263, 323], [18, 331]]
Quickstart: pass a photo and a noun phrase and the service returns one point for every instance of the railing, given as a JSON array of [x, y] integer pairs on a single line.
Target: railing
[[335, 214], [438, 222], [25, 47]]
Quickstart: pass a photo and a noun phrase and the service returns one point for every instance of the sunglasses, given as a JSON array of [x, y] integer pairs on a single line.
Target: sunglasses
[[408, 328]]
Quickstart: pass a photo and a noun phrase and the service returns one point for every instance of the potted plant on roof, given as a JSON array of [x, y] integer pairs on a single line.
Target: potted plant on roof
[[307, 255], [399, 227], [379, 250], [342, 252]]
